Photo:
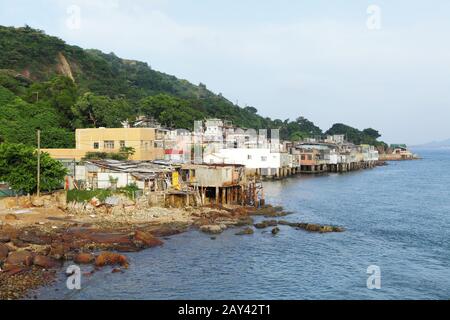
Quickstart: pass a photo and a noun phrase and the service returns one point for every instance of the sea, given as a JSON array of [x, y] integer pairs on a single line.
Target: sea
[[396, 245]]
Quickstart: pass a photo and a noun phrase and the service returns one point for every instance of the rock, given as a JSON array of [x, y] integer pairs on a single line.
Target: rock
[[212, 229], [240, 211], [109, 258], [4, 238], [260, 226], [266, 224], [84, 258], [116, 270], [270, 211], [34, 238], [275, 231], [338, 229], [57, 251], [4, 250], [113, 201], [148, 239], [45, 262], [246, 231], [11, 217], [313, 228], [244, 221], [37, 202], [20, 244], [127, 248], [20, 258], [326, 229], [12, 270], [169, 230], [110, 238], [95, 202], [8, 230]]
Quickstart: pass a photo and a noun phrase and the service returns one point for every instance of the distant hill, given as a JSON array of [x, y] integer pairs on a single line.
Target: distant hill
[[435, 145], [49, 84]]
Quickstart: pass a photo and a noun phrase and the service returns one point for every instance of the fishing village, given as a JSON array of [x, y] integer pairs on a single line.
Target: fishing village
[[128, 189]]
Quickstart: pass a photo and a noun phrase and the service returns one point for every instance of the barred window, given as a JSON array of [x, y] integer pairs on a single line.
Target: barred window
[[109, 144]]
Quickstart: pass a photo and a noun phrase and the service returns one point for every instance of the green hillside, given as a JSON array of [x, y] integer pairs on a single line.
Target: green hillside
[[48, 84]]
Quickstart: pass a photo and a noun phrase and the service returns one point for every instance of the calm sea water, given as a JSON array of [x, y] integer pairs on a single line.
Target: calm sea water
[[397, 217]]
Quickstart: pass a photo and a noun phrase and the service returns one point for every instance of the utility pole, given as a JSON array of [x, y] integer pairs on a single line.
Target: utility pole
[[39, 163]]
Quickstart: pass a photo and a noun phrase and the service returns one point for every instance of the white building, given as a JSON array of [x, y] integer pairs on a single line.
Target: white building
[[262, 161], [337, 139], [178, 146]]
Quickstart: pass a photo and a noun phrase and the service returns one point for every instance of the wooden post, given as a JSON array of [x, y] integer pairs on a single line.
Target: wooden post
[[217, 195], [224, 199], [38, 163]]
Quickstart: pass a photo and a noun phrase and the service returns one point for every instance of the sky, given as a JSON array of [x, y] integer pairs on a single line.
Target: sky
[[380, 64]]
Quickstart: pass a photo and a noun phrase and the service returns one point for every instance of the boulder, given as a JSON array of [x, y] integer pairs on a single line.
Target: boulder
[[95, 202], [4, 238], [20, 258], [275, 231], [37, 202], [11, 217], [244, 221], [8, 230], [109, 238], [109, 258], [34, 238], [4, 250], [148, 239], [246, 231], [266, 223], [84, 258], [12, 270], [212, 229], [45, 262], [226, 221], [57, 251], [313, 228]]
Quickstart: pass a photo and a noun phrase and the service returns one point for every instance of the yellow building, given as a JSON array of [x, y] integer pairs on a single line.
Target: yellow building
[[148, 143]]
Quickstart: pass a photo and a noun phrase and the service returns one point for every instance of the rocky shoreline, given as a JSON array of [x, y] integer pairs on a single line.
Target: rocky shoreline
[[31, 253]]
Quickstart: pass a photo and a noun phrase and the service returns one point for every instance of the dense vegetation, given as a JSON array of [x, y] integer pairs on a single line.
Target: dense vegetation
[[18, 166], [367, 136], [47, 84]]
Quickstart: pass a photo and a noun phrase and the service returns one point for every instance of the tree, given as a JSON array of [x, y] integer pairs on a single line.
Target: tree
[[92, 110], [251, 110], [18, 165], [367, 136], [372, 133], [171, 111]]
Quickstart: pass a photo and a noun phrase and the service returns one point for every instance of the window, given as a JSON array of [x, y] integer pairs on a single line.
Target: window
[[122, 144], [109, 144], [96, 145], [303, 157], [249, 157], [309, 156], [263, 158]]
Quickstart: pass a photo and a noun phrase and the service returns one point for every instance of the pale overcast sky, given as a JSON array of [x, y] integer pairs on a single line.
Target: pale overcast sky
[[313, 58]]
